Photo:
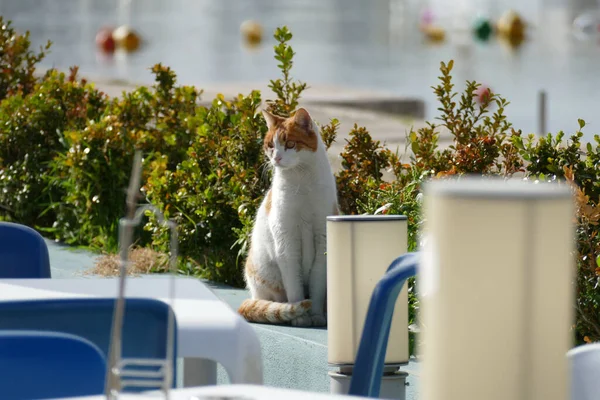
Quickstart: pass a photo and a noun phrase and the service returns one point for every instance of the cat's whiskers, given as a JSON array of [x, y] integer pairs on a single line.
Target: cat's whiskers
[[265, 167]]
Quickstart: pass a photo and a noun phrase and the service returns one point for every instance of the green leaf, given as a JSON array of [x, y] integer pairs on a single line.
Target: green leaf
[[415, 147]]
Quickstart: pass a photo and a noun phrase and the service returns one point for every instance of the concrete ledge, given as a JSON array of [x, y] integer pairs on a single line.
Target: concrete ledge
[[319, 95], [398, 106]]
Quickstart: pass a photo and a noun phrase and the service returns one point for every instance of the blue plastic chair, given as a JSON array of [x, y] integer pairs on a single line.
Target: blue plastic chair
[[370, 358], [144, 329], [41, 365], [584, 363], [23, 252]]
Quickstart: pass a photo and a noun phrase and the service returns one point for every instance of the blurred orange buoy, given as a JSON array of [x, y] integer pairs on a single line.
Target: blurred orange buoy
[[511, 28], [126, 38], [434, 33], [252, 32]]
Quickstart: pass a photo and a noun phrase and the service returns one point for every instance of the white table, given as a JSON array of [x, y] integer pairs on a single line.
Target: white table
[[228, 392], [208, 329]]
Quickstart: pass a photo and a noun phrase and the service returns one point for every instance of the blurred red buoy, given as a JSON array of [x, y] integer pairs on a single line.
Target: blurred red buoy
[[105, 41], [482, 94]]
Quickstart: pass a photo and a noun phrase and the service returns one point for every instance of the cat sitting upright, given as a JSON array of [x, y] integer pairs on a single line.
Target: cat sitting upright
[[286, 265]]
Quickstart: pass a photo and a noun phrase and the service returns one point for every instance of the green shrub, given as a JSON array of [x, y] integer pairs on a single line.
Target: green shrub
[[287, 91], [551, 158], [31, 135], [214, 193], [17, 61], [93, 169], [363, 160], [483, 142]]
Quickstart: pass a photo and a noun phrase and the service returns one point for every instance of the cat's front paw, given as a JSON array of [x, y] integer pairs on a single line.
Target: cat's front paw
[[318, 320], [302, 321], [310, 320]]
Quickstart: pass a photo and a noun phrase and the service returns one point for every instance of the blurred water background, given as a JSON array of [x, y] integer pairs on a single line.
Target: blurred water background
[[366, 44]]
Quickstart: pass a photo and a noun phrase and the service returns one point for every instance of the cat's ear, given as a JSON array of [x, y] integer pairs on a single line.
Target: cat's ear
[[302, 119], [270, 118]]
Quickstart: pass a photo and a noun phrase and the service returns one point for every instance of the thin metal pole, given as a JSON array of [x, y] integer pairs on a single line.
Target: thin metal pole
[[116, 365], [542, 112], [112, 385]]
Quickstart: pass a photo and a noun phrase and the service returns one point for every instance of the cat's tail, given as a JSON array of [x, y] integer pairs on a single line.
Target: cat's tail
[[265, 311]]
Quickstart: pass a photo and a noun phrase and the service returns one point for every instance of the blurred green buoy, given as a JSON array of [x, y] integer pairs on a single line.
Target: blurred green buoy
[[483, 29]]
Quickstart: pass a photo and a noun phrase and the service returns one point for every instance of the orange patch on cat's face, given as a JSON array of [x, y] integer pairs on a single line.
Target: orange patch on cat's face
[[291, 135]]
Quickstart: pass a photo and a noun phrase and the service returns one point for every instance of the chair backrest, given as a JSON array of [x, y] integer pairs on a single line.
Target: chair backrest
[[23, 252], [144, 329], [41, 365], [585, 372], [370, 357]]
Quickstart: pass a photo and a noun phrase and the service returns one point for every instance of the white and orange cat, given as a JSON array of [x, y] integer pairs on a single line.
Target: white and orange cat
[[286, 270]]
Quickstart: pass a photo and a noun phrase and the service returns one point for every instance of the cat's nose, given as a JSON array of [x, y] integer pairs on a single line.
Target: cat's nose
[[277, 159]]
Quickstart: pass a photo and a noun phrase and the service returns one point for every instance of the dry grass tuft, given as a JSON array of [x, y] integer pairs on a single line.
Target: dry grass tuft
[[142, 261]]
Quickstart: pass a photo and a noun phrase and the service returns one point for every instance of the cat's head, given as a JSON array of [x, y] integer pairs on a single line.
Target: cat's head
[[290, 141]]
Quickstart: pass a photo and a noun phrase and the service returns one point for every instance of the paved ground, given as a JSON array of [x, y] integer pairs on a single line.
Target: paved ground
[[67, 262], [305, 349]]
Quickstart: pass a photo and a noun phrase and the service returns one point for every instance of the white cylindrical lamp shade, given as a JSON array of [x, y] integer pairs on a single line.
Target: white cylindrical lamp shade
[[360, 248], [496, 285]]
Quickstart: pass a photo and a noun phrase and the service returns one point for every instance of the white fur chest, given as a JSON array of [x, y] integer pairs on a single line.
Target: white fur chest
[[308, 204]]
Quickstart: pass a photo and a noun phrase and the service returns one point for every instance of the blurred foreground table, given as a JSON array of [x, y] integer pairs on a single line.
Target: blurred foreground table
[[208, 330], [227, 392]]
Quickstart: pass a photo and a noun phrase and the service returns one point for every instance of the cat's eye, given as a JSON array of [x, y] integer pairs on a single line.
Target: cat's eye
[[290, 144], [270, 145]]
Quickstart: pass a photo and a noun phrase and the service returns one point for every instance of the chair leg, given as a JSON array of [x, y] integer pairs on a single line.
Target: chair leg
[[199, 372]]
